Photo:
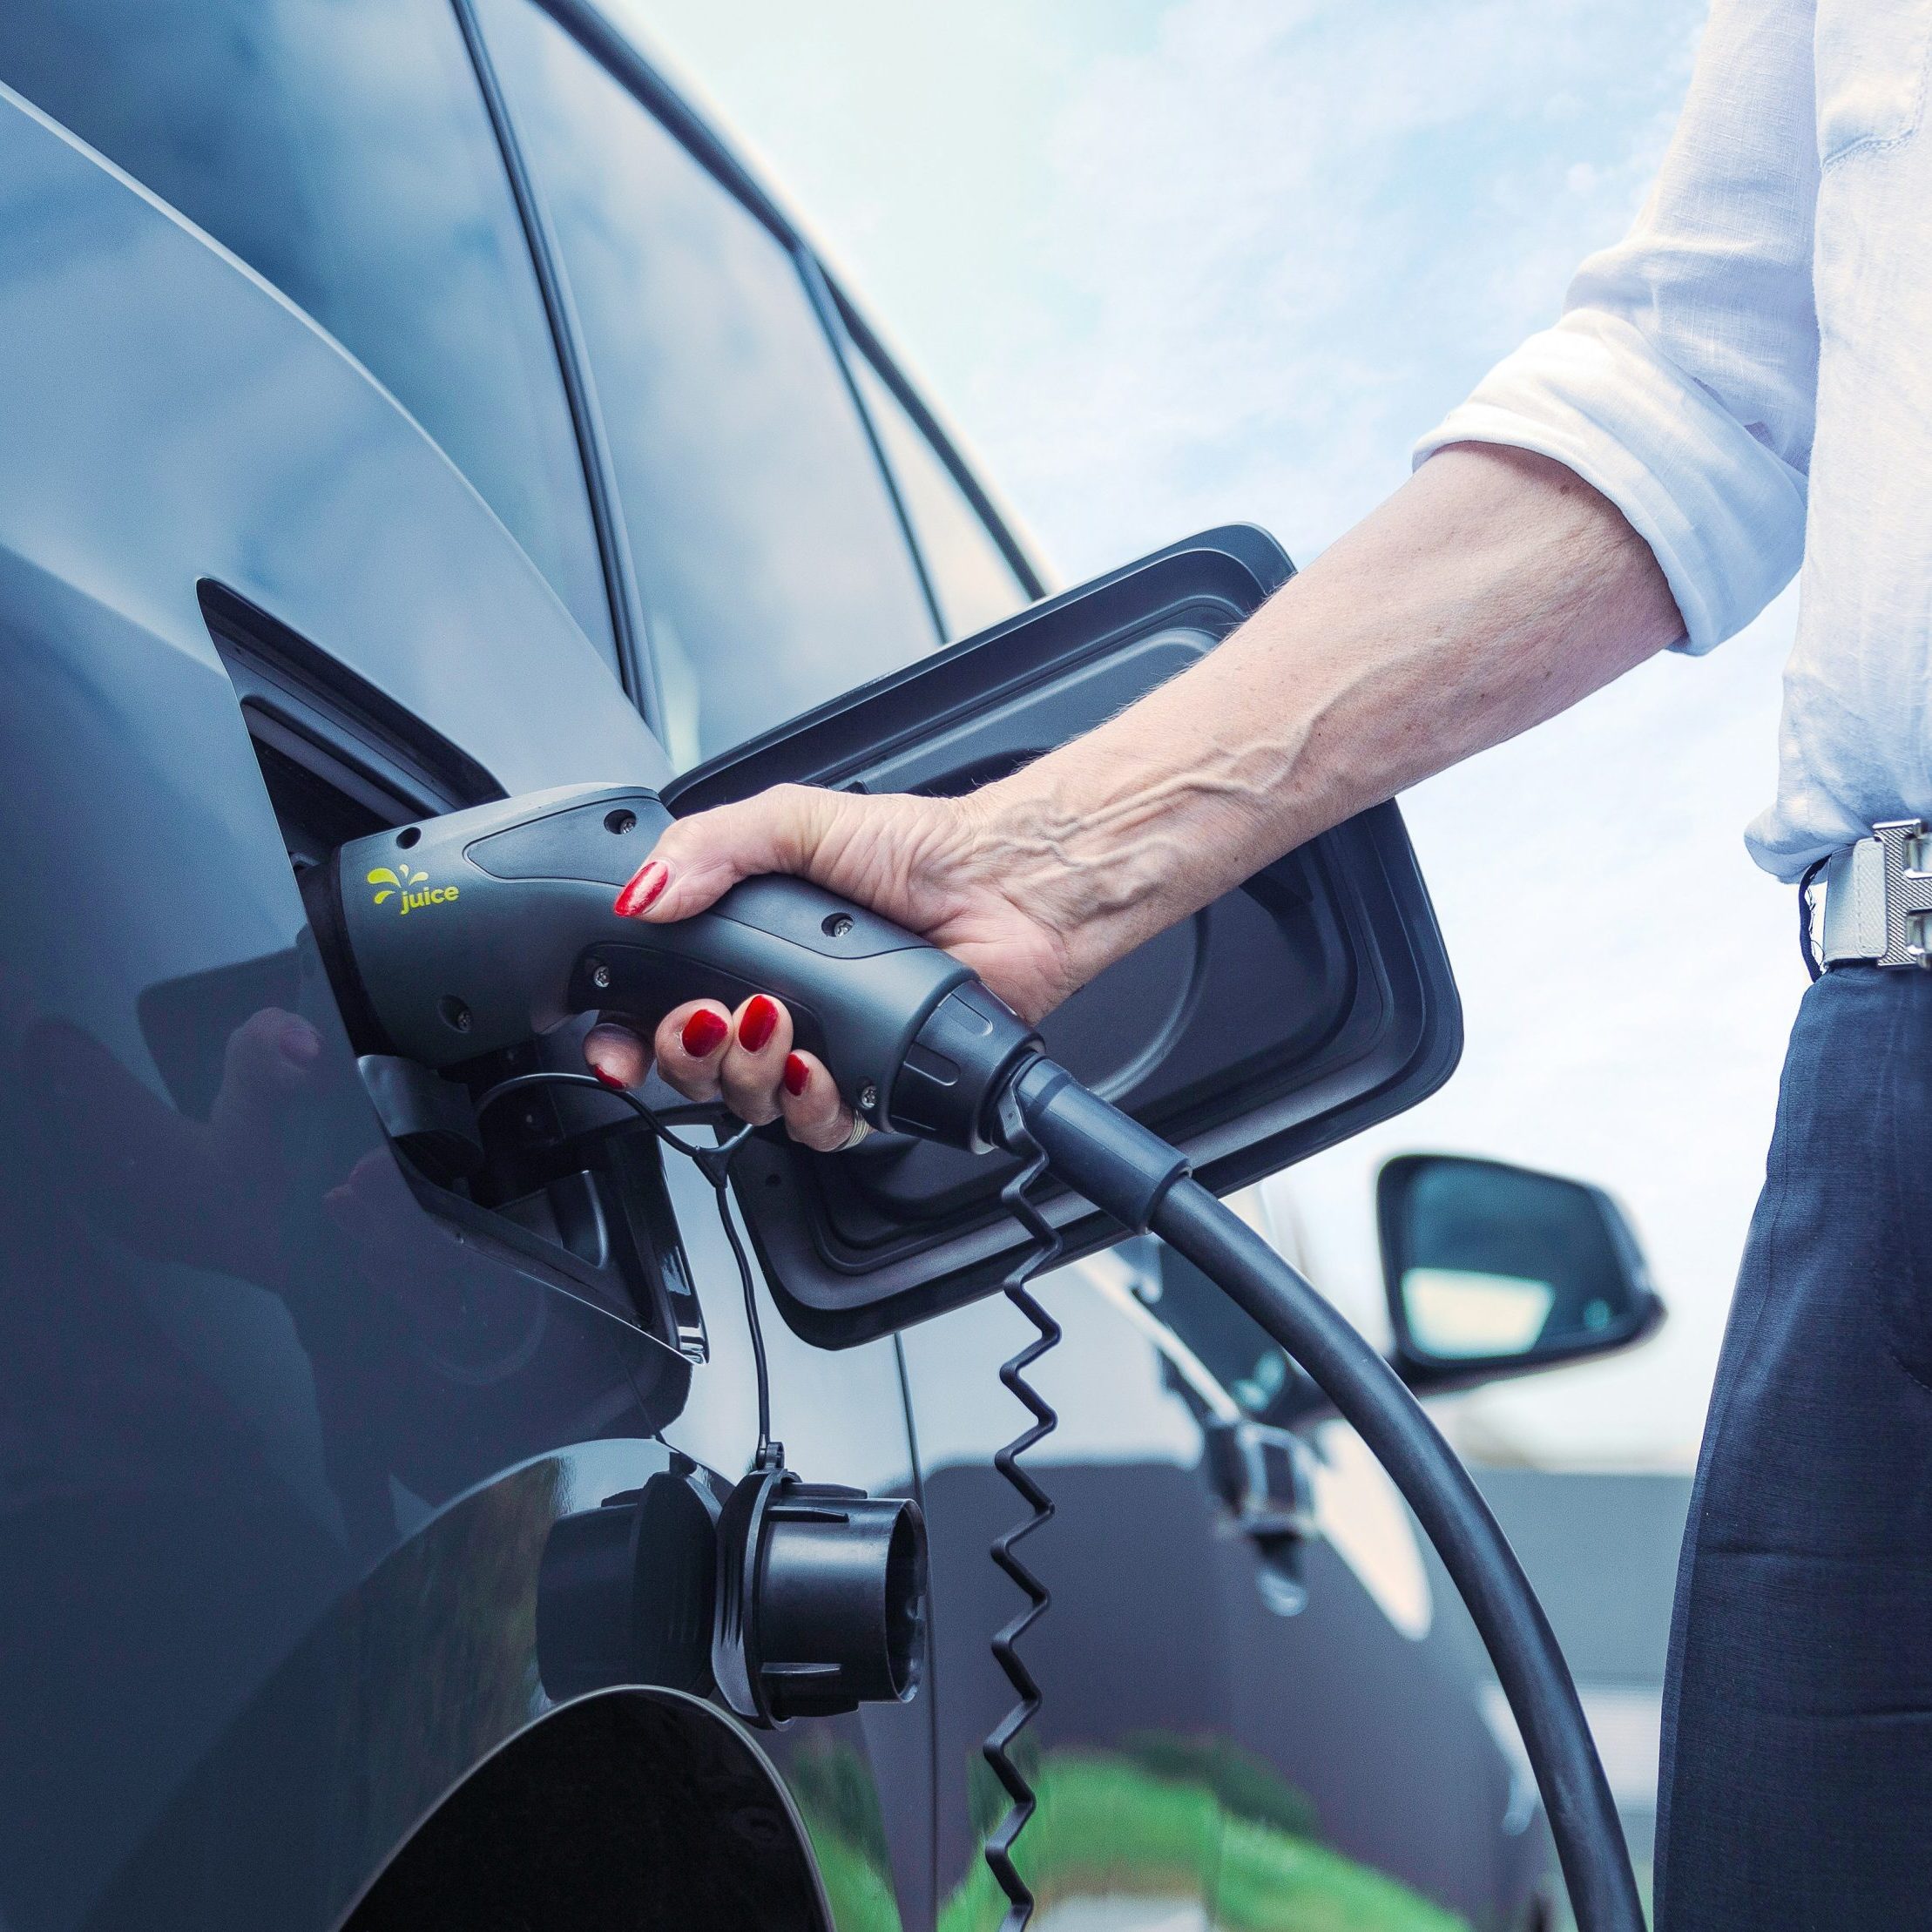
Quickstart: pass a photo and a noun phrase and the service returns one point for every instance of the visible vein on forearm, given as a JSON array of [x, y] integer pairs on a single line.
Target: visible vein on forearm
[[1481, 600]]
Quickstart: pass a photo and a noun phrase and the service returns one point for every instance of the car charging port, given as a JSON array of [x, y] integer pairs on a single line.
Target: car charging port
[[822, 1598], [569, 1182]]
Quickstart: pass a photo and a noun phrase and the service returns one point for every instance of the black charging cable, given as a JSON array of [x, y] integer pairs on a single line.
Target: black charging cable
[[1130, 1173], [715, 1163]]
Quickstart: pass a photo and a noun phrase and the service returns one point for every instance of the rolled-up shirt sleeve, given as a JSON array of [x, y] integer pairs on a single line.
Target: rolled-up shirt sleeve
[[1681, 380]]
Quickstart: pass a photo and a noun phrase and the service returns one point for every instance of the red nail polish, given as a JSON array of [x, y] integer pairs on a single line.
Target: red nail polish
[[651, 879], [609, 1078], [797, 1075], [704, 1033], [755, 1028]]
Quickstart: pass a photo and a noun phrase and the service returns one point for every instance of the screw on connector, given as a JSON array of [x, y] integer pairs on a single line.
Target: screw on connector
[[836, 925], [600, 976], [869, 1097], [453, 1013]]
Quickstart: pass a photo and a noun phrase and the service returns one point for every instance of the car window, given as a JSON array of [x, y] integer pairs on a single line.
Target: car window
[[341, 149], [773, 569], [974, 583]]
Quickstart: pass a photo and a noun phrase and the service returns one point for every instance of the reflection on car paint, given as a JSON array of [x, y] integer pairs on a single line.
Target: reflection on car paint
[[1368, 1524], [1179, 1832], [834, 1789]]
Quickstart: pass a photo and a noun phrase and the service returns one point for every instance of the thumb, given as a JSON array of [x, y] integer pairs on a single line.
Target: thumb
[[698, 858]]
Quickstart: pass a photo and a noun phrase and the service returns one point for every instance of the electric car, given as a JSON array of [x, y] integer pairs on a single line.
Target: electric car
[[408, 403]]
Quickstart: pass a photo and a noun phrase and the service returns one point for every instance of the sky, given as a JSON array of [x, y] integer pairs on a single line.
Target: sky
[[1170, 264]]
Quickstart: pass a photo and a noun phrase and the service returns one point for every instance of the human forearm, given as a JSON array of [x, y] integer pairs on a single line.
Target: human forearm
[[1493, 590]]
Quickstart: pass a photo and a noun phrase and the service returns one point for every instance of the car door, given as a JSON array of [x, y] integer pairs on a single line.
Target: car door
[[244, 1366], [1358, 1677], [770, 563], [295, 543], [1249, 1695]]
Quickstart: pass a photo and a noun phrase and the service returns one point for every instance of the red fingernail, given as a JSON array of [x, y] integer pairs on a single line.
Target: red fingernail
[[651, 879], [798, 1076], [609, 1078], [755, 1028], [704, 1033]]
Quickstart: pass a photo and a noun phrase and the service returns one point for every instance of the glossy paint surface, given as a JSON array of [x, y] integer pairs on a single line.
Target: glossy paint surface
[[339, 148], [281, 1451]]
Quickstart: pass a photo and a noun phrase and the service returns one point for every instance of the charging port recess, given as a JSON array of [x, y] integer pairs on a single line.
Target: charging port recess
[[569, 1181]]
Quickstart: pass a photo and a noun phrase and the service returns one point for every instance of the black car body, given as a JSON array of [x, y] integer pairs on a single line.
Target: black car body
[[403, 403]]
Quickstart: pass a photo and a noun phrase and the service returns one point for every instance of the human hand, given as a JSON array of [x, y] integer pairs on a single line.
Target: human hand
[[949, 869]]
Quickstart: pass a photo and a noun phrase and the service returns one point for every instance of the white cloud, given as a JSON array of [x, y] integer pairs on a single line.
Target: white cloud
[[1279, 240]]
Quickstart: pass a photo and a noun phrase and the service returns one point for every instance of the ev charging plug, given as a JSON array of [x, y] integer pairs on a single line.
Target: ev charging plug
[[462, 936]]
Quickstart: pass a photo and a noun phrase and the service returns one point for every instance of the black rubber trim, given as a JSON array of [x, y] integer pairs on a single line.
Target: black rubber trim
[[637, 666], [321, 889]]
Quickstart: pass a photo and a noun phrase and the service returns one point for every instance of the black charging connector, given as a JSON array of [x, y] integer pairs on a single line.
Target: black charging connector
[[822, 1598], [963, 1057]]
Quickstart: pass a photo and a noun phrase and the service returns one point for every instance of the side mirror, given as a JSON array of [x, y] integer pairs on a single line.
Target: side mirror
[[1493, 1270]]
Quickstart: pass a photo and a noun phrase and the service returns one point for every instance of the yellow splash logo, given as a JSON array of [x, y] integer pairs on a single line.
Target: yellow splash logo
[[403, 887]]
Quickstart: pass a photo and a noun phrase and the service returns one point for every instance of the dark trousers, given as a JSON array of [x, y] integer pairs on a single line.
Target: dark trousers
[[1796, 1788]]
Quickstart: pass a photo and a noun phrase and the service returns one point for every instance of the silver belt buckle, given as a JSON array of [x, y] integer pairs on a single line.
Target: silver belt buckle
[[1878, 895]]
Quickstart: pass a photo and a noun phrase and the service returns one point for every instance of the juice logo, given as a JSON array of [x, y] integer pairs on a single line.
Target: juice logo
[[390, 884]]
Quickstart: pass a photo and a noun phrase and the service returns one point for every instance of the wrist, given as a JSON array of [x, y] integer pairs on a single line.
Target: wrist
[[1094, 870]]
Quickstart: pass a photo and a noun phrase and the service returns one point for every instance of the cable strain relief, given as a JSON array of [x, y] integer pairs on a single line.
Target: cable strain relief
[[961, 1060], [1124, 1168]]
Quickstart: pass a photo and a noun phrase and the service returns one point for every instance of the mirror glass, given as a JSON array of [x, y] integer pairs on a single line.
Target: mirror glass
[[1488, 1263]]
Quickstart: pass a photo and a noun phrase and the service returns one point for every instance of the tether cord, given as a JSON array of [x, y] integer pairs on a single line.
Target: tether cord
[[996, 1750], [715, 1163]]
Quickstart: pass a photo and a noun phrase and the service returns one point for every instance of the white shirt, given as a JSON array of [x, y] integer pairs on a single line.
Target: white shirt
[[1763, 338]]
